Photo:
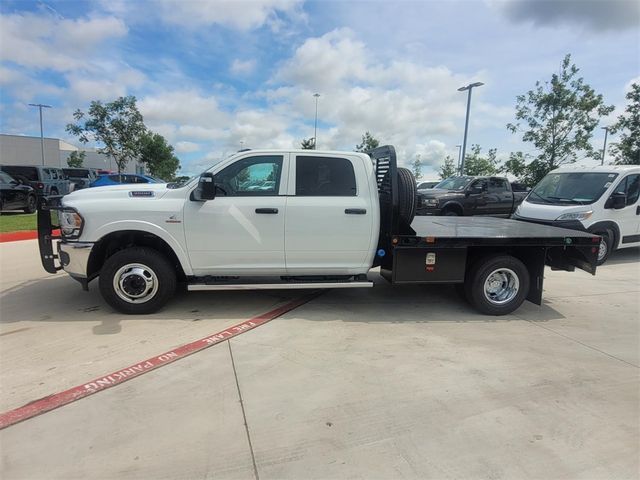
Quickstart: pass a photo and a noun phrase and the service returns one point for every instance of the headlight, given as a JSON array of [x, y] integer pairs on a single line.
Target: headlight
[[575, 216], [431, 202], [71, 223]]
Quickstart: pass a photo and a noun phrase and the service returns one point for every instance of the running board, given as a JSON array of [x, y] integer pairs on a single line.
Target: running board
[[197, 287]]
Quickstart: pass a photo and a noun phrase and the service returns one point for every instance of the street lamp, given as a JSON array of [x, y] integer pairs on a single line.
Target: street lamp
[[466, 122], [315, 124], [40, 107], [604, 149], [458, 165]]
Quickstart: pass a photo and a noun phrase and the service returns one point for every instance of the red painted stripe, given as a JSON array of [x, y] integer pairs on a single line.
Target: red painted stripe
[[21, 235], [56, 400]]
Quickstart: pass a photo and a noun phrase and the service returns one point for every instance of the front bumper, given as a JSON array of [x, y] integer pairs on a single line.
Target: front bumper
[[74, 257]]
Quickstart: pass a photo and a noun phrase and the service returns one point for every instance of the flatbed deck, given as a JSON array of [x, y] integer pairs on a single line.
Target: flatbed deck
[[497, 230]]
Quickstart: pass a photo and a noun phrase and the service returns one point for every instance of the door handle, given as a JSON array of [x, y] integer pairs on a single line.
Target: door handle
[[355, 211], [267, 210]]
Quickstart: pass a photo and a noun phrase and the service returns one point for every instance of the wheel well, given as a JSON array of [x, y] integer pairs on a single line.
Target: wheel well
[[602, 226], [116, 241], [453, 207]]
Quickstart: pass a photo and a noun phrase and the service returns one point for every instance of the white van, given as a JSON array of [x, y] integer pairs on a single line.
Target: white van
[[600, 200]]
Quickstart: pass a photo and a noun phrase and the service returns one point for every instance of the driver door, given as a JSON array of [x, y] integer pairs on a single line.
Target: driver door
[[241, 231]]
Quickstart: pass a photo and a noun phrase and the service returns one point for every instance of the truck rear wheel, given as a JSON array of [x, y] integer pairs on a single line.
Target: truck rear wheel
[[497, 285], [407, 194], [137, 280]]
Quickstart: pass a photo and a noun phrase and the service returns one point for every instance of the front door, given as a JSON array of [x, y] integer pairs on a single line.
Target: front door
[[628, 218], [241, 231], [330, 219]]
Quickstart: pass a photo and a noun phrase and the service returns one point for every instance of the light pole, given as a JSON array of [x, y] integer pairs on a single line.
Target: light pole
[[40, 107], [604, 149], [458, 166], [466, 122], [315, 124]]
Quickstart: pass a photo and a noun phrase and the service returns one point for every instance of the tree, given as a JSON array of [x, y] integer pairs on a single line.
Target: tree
[[369, 142], [627, 150], [477, 164], [76, 158], [117, 126], [448, 168], [416, 167], [558, 117], [308, 144], [158, 156]]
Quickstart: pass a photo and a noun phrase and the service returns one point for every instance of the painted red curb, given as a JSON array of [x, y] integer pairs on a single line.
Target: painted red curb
[[56, 400], [21, 235]]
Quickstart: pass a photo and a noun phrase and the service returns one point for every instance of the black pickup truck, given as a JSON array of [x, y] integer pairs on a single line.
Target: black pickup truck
[[467, 196]]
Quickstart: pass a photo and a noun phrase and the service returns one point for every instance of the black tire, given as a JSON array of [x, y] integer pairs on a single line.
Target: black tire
[[606, 246], [482, 270], [32, 204], [450, 213], [407, 195], [151, 264], [53, 191]]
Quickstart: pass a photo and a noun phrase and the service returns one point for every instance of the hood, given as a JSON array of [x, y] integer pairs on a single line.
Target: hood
[[544, 211], [142, 191]]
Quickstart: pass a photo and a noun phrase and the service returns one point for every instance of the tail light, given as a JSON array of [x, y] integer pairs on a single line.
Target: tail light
[[40, 186]]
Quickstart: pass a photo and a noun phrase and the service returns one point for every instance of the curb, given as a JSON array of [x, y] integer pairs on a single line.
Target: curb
[[21, 235]]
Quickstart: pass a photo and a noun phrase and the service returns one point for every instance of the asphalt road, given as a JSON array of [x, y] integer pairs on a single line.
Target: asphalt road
[[379, 383]]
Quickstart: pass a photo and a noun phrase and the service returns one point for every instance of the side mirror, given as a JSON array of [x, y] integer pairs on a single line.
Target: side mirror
[[617, 201], [206, 189]]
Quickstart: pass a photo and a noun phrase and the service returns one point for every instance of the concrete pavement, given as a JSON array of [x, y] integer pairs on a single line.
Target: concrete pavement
[[382, 383]]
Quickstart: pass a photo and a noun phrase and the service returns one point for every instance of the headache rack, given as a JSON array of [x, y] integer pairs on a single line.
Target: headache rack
[[46, 227]]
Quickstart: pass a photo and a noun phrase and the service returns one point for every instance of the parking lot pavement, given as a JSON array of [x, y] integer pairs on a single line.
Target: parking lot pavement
[[381, 383]]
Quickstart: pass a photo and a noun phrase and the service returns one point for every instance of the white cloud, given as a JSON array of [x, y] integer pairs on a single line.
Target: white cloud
[[186, 147], [45, 42], [241, 15], [243, 67]]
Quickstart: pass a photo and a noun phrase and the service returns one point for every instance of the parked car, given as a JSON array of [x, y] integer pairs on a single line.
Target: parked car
[[15, 195], [44, 179], [119, 178], [81, 177], [427, 185], [467, 195], [599, 200]]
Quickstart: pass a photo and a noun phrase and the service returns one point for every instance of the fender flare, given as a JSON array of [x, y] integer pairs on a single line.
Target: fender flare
[[151, 228], [607, 225]]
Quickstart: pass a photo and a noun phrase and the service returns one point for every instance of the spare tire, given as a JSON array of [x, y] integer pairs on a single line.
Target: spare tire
[[407, 195]]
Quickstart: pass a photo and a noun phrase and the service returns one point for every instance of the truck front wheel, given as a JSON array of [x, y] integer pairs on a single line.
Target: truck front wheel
[[497, 285], [137, 280]]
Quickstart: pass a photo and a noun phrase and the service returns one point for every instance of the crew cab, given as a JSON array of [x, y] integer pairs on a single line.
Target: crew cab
[[603, 200], [296, 219], [468, 195]]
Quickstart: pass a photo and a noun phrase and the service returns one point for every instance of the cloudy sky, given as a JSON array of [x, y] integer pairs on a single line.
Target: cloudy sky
[[214, 75]]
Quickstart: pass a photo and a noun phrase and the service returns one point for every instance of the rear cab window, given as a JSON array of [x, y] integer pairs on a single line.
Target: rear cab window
[[318, 176], [28, 173]]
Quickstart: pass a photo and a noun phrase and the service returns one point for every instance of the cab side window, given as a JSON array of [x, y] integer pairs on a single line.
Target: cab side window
[[630, 186], [252, 176], [480, 184], [325, 177], [497, 185]]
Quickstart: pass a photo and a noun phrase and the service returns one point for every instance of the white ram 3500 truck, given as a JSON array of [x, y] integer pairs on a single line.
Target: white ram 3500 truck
[[266, 219]]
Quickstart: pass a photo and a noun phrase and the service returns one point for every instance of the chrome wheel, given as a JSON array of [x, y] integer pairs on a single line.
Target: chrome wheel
[[135, 283], [501, 286], [602, 250]]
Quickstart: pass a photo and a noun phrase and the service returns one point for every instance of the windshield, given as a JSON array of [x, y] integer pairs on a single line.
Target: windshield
[[579, 188], [76, 172], [454, 183]]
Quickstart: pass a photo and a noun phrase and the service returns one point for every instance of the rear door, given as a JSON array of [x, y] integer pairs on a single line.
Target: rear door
[[500, 197], [328, 225]]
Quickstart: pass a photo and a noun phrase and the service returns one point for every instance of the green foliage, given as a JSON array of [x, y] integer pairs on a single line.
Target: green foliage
[[627, 150], [369, 142], [528, 172], [416, 168], [448, 168], [308, 144], [118, 126], [158, 156], [477, 164], [76, 158], [558, 117]]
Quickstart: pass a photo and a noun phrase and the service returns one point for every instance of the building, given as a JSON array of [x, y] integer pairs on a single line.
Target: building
[[25, 150]]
